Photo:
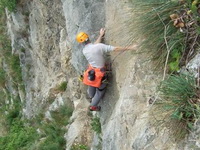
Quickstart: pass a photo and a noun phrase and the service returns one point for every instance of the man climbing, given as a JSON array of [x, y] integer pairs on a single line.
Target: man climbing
[[94, 76]]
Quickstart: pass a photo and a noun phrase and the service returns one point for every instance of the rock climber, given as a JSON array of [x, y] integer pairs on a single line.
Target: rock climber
[[94, 76]]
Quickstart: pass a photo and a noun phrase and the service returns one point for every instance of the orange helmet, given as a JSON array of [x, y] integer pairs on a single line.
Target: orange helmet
[[82, 37]]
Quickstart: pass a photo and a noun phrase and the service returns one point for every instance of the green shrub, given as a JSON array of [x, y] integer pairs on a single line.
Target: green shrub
[[19, 137], [2, 77], [180, 104], [23, 135], [15, 68], [62, 115], [54, 137], [96, 125], [54, 131], [78, 146], [10, 4], [13, 112], [62, 87], [6, 49], [2, 101], [49, 146], [11, 60]]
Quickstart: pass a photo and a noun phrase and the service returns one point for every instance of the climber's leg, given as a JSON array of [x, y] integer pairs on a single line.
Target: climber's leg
[[98, 94]]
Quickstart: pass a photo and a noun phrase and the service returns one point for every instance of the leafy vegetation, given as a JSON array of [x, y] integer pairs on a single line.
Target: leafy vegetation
[[180, 103], [15, 68], [18, 134], [53, 136], [37, 133], [78, 146], [62, 87], [53, 131], [2, 77], [12, 61], [96, 125], [19, 137], [13, 113], [10, 4], [170, 33], [62, 115], [23, 134], [170, 30]]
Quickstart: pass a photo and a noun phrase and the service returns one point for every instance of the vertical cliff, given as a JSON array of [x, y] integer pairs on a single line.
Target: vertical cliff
[[43, 34]]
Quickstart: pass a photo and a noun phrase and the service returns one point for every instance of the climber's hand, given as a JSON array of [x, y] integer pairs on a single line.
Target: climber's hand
[[102, 32]]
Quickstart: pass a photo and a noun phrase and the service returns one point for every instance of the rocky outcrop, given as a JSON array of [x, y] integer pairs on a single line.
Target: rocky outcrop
[[44, 40], [79, 130], [43, 34], [39, 36]]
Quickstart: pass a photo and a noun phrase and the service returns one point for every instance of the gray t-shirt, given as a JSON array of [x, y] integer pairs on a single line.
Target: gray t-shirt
[[94, 53]]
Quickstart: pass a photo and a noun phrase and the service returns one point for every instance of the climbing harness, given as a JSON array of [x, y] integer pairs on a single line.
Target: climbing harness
[[93, 76]]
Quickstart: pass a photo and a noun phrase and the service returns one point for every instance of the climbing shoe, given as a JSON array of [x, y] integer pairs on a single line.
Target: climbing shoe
[[95, 108]]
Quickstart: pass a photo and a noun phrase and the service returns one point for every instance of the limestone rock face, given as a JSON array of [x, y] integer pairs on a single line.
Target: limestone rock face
[[194, 65], [79, 131], [87, 16], [39, 35], [43, 34]]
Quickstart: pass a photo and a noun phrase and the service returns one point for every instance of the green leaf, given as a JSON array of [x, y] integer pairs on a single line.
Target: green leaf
[[198, 30], [190, 125], [180, 116], [174, 66], [197, 107], [194, 9], [168, 107], [176, 53], [175, 114]]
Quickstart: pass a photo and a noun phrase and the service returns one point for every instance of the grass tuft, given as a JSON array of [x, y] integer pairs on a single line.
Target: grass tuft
[[96, 125], [167, 40], [62, 87], [62, 115], [78, 146], [179, 108], [16, 68], [2, 77]]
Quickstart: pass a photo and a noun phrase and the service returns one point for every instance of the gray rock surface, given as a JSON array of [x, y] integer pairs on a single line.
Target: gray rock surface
[[87, 16], [194, 66], [79, 131], [43, 34], [40, 37]]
